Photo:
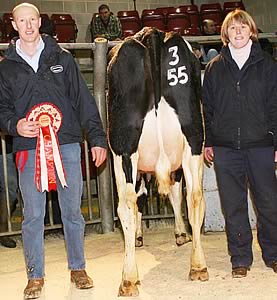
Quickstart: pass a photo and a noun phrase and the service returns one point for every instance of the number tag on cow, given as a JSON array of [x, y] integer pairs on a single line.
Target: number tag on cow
[[176, 75]]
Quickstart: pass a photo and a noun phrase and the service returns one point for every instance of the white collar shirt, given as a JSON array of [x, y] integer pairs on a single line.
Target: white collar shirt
[[33, 61]]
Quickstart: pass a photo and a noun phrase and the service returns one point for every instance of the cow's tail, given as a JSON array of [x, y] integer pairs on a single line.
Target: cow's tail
[[155, 58], [163, 167], [163, 170]]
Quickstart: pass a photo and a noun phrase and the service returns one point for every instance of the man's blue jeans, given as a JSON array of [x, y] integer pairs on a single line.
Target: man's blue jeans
[[34, 211]]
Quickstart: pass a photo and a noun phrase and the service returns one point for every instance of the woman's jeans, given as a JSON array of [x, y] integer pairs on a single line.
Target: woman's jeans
[[34, 211]]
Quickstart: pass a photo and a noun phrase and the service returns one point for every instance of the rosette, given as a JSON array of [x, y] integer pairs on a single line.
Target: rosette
[[48, 157]]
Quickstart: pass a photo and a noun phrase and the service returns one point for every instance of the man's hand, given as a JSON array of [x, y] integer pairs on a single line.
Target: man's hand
[[99, 155], [29, 129], [209, 154]]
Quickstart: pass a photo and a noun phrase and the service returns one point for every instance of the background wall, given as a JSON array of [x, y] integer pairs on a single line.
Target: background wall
[[264, 12]]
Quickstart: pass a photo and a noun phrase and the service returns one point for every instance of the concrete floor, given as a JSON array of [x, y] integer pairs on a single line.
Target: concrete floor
[[163, 269]]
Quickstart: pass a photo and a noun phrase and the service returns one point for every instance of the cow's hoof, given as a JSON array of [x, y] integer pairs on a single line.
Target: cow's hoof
[[182, 239], [139, 241], [201, 275], [128, 289]]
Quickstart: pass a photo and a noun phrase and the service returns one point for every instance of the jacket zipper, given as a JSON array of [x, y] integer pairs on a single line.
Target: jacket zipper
[[238, 92]]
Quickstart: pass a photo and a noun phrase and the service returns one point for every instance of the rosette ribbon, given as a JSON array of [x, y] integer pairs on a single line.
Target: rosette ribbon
[[48, 157]]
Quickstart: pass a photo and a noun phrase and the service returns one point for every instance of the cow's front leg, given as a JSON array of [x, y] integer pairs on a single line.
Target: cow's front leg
[[127, 212]]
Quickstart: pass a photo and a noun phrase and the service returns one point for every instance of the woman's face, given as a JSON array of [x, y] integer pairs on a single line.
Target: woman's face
[[239, 34]]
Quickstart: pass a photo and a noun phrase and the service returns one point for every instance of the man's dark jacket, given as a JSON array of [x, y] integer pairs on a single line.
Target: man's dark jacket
[[240, 106], [58, 81]]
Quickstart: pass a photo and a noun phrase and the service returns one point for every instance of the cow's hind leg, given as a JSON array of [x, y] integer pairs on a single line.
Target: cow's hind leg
[[141, 202], [193, 172], [127, 212], [175, 196]]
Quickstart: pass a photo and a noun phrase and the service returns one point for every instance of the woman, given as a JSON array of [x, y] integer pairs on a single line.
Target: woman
[[240, 109]]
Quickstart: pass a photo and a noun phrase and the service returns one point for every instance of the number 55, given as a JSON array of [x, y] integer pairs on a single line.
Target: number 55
[[181, 76]]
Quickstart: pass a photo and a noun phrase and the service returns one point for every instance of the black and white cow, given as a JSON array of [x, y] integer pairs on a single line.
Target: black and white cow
[[155, 125]]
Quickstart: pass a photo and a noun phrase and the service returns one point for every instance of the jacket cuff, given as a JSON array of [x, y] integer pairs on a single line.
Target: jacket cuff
[[11, 127]]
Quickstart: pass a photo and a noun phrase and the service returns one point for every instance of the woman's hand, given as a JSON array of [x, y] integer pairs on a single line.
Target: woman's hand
[[209, 154]]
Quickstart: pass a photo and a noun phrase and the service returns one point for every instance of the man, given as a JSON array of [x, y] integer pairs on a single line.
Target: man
[[209, 51], [6, 241], [209, 27], [44, 104], [106, 25]]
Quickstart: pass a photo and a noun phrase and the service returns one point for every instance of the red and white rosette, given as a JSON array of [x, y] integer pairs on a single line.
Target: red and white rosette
[[48, 157]]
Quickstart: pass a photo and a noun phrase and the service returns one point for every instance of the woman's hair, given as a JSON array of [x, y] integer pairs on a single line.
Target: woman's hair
[[240, 16]]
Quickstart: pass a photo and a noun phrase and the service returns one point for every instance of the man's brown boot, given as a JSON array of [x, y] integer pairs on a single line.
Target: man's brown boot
[[81, 279], [34, 288]]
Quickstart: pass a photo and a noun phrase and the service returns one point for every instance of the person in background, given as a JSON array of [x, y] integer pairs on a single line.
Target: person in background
[[266, 44], [209, 27], [45, 105], [47, 26], [6, 241], [240, 113], [106, 25], [209, 51], [13, 187], [197, 49]]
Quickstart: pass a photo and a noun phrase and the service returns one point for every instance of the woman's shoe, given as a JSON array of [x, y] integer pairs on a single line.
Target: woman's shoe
[[239, 272]]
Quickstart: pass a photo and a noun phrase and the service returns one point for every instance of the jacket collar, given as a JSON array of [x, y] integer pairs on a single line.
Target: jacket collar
[[50, 48], [256, 53]]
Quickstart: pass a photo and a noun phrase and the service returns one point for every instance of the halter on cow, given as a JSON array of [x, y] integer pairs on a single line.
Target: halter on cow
[[155, 125]]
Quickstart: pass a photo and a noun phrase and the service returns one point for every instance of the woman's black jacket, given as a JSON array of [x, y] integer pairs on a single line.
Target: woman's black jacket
[[240, 106]]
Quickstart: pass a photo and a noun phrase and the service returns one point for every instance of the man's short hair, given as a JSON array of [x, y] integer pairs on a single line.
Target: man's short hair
[[207, 21], [25, 4], [103, 6]]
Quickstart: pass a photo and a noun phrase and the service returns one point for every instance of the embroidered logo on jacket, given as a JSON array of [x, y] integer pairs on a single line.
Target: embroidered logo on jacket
[[56, 69]]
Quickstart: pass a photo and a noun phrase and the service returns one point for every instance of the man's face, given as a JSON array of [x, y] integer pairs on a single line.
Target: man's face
[[210, 28], [105, 15], [27, 22]]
